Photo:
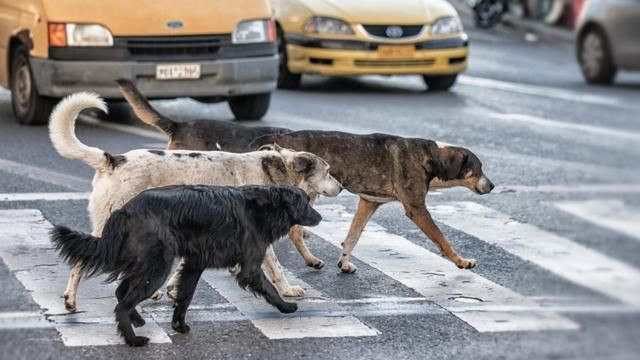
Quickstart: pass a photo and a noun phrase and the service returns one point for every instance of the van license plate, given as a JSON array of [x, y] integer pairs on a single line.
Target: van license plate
[[177, 71]]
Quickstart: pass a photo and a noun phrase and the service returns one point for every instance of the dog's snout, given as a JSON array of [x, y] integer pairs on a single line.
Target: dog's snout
[[340, 188], [491, 186]]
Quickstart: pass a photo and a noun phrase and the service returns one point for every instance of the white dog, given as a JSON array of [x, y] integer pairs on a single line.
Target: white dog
[[119, 178]]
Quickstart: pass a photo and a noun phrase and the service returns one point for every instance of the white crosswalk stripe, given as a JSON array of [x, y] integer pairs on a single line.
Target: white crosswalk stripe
[[557, 254], [613, 214], [276, 326], [438, 279]]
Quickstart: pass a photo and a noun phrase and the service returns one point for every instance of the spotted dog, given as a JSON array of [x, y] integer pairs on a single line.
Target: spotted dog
[[379, 168], [119, 178]]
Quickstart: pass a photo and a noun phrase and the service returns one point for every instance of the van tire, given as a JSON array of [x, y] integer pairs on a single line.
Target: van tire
[[249, 107], [29, 107]]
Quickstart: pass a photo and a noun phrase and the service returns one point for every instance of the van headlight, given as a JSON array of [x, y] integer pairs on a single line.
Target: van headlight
[[327, 25], [254, 31], [447, 25], [79, 35]]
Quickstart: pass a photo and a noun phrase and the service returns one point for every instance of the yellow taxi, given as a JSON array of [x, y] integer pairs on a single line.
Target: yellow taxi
[[359, 37]]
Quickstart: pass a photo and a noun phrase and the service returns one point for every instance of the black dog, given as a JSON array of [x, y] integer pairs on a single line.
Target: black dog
[[208, 226]]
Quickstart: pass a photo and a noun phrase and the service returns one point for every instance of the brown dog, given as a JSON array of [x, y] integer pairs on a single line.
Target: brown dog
[[379, 168]]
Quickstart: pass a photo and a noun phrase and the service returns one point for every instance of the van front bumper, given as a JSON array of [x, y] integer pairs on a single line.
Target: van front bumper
[[223, 77]]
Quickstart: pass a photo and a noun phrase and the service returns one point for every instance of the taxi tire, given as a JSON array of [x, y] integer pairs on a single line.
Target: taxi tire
[[286, 79], [38, 108], [249, 107], [439, 82]]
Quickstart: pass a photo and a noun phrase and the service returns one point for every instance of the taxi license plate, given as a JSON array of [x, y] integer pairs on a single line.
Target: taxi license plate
[[177, 71], [396, 51]]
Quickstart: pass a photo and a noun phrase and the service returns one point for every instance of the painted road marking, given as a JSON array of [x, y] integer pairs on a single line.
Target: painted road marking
[[438, 279], [27, 251], [331, 319], [543, 91], [557, 254], [536, 122], [613, 214], [56, 196], [45, 175], [134, 130]]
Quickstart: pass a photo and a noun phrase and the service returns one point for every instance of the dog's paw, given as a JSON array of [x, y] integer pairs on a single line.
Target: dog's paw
[[293, 291], [347, 267], [138, 341], [181, 327], [235, 270], [156, 296], [69, 303], [467, 263], [288, 308], [314, 262]]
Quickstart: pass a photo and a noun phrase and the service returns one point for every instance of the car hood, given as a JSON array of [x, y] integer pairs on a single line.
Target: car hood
[[381, 11], [150, 17]]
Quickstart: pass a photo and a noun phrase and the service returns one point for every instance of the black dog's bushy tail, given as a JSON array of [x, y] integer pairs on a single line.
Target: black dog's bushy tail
[[92, 253]]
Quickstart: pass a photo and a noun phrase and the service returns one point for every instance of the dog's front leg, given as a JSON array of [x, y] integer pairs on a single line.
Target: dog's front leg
[[421, 217], [296, 234], [274, 269], [257, 282], [364, 212]]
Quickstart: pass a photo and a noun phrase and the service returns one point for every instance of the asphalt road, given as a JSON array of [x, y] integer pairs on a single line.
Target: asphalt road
[[557, 241]]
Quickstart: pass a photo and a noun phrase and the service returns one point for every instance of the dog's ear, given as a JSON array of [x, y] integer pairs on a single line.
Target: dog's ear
[[304, 163], [261, 197], [453, 161], [273, 147]]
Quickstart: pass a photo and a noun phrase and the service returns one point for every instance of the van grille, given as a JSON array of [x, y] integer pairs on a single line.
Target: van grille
[[173, 47]]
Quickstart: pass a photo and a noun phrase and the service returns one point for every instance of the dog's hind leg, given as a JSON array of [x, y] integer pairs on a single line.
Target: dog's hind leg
[[364, 212], [257, 282], [418, 213], [172, 285], [134, 316], [296, 234], [186, 287], [72, 288], [274, 269], [126, 303]]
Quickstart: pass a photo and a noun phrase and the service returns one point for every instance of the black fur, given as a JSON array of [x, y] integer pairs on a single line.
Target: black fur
[[156, 152], [115, 160], [208, 226]]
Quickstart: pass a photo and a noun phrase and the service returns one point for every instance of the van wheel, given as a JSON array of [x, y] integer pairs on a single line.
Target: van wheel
[[250, 107], [29, 107], [595, 57], [439, 82], [286, 79]]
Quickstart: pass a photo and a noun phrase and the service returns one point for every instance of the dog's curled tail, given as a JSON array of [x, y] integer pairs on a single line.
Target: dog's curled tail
[[143, 110], [92, 253], [62, 129]]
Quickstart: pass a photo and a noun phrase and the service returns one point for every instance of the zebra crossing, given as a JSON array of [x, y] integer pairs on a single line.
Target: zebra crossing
[[482, 304]]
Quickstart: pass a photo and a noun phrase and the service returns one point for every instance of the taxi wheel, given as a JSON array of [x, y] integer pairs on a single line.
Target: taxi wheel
[[286, 79], [250, 107], [439, 82], [595, 57], [29, 107]]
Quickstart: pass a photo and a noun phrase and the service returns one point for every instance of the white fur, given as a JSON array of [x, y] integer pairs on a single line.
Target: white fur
[[113, 187]]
